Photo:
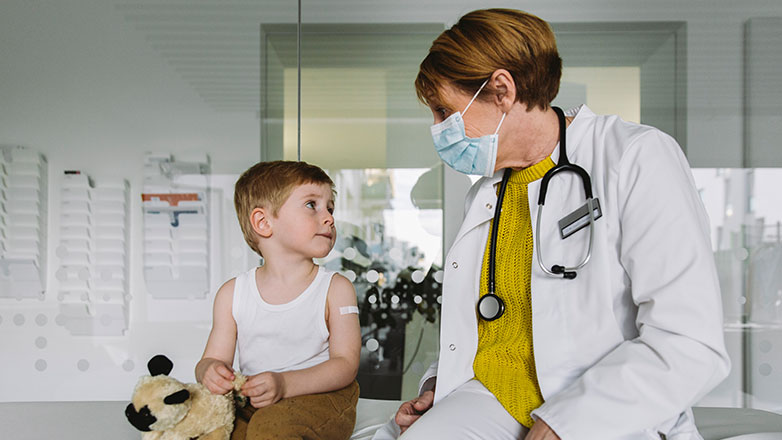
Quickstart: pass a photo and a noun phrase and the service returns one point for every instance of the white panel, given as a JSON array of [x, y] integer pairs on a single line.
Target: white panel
[[763, 89]]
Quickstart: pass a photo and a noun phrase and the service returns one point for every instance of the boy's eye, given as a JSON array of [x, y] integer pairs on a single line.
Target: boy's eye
[[331, 210], [310, 204]]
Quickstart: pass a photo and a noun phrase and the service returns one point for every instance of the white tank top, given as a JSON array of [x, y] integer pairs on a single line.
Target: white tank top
[[281, 337]]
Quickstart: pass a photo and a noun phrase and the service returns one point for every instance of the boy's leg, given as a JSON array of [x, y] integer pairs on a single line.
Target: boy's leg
[[471, 412], [220, 433], [326, 416], [243, 416]]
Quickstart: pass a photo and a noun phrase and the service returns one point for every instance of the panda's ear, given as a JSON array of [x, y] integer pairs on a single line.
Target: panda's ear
[[178, 397], [160, 365]]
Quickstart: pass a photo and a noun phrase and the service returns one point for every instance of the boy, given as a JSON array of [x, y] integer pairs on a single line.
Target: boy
[[295, 323]]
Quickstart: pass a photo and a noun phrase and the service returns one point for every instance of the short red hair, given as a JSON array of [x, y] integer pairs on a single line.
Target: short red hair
[[484, 41]]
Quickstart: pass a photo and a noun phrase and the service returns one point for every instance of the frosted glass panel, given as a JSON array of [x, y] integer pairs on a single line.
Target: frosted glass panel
[[746, 226], [763, 89]]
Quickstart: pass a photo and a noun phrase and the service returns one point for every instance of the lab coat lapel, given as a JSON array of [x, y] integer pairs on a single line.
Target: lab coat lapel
[[477, 212]]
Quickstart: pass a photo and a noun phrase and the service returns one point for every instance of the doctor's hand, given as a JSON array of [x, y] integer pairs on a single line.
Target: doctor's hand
[[541, 431], [411, 410]]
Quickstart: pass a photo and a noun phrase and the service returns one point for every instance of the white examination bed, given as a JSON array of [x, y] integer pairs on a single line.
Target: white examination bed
[[106, 420]]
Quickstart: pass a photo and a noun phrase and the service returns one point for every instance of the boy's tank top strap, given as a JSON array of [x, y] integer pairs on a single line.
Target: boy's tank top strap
[[324, 284], [240, 292]]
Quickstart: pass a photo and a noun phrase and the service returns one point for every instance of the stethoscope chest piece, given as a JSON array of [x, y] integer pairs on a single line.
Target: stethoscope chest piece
[[490, 307]]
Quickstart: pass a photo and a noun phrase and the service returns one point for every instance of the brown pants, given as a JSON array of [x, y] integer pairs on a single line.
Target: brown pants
[[324, 416]]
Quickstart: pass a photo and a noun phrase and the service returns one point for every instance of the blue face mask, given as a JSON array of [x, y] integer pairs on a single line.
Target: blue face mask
[[465, 154]]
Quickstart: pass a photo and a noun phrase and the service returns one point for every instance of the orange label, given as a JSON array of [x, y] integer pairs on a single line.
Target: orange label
[[173, 199]]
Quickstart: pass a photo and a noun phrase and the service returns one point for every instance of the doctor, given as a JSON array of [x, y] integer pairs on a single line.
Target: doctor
[[618, 348]]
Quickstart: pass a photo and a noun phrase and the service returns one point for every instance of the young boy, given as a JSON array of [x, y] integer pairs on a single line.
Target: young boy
[[295, 323]]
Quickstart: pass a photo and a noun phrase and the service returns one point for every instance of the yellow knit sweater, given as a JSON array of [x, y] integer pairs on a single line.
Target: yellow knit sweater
[[505, 362]]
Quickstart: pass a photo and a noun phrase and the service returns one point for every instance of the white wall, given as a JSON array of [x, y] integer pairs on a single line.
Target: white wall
[[84, 88]]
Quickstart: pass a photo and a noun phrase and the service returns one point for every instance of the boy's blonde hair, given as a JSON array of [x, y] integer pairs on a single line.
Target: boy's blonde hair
[[267, 185]]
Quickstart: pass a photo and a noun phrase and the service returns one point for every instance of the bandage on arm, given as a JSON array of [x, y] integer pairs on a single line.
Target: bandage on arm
[[346, 310]]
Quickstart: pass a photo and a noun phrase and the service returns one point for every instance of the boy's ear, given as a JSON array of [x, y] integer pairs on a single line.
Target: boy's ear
[[261, 222]]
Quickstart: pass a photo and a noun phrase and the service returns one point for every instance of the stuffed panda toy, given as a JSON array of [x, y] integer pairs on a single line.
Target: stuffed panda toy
[[165, 409]]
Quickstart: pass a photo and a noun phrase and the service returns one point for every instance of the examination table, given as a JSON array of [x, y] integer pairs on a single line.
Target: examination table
[[106, 421]]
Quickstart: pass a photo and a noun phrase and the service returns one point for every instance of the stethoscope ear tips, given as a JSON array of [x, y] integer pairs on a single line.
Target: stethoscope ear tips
[[560, 270]]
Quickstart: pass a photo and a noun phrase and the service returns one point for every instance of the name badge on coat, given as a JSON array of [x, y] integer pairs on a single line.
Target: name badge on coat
[[578, 219]]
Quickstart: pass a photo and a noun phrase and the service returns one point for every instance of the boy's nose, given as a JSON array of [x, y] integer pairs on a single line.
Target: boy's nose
[[328, 219]]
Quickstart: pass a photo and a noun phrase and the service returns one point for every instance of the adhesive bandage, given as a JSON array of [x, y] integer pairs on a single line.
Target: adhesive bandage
[[346, 310]]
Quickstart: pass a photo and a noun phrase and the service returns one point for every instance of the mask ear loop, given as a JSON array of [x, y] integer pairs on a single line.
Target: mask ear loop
[[473, 99], [500, 124], [475, 96]]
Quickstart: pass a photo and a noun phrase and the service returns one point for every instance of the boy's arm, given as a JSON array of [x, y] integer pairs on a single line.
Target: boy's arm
[[344, 346], [214, 370], [336, 373]]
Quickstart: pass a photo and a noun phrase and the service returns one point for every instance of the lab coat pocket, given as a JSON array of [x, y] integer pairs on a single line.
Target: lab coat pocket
[[681, 427], [653, 434]]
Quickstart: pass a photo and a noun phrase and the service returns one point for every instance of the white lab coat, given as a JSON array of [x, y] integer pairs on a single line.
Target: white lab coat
[[623, 350]]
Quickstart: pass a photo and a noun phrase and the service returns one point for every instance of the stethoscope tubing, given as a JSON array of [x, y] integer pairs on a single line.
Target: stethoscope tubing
[[563, 165], [495, 228]]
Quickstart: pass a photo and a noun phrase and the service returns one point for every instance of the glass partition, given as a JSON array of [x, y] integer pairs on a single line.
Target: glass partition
[[389, 224], [703, 75], [746, 228], [360, 119]]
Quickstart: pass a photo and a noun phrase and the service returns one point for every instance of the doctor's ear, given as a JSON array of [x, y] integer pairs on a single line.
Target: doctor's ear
[[261, 222], [503, 88]]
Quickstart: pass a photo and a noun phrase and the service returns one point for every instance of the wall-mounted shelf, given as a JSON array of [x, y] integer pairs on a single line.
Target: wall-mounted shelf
[[23, 212], [93, 255], [176, 226]]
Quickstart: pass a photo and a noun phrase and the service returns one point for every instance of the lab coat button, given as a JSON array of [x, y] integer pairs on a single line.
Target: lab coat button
[[455, 265], [488, 206], [452, 347]]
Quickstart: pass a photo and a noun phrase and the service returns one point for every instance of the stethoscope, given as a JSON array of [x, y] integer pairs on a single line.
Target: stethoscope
[[491, 306]]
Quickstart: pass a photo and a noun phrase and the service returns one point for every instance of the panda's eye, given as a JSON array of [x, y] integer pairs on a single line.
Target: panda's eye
[[180, 396]]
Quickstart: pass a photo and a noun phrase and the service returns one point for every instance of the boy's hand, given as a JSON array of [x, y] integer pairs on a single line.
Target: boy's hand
[[218, 378], [264, 389], [411, 410]]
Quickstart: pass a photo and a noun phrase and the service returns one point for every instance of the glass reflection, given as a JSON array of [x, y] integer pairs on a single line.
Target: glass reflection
[[389, 226]]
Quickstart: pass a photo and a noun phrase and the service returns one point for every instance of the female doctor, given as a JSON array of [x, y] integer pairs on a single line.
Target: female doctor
[[561, 324]]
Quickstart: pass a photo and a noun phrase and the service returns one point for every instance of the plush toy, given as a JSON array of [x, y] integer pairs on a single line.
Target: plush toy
[[166, 409]]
